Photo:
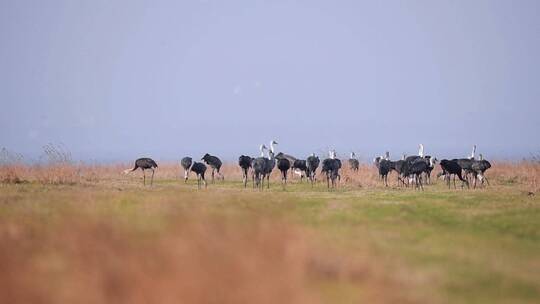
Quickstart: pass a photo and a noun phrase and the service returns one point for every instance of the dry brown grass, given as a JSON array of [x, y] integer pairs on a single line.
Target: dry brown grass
[[197, 259]]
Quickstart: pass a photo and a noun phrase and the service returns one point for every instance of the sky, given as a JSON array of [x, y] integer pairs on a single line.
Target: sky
[[117, 80]]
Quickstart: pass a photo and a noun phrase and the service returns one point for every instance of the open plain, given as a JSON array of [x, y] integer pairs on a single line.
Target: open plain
[[88, 234]]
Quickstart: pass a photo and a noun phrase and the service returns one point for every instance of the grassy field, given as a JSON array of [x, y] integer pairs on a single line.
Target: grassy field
[[111, 240]]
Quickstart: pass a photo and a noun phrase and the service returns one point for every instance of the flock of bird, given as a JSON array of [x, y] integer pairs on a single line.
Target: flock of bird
[[417, 168], [412, 170]]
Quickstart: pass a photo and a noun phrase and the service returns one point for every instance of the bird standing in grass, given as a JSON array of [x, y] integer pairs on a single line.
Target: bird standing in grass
[[245, 163], [451, 167], [312, 163], [215, 163], [479, 168], [283, 165], [353, 162], [199, 169], [144, 163], [270, 163], [330, 167], [186, 164]]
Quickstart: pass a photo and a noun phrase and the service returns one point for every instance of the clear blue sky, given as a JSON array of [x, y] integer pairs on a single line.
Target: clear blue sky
[[122, 79]]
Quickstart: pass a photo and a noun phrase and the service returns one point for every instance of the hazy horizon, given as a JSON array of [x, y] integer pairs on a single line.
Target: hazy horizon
[[125, 79]]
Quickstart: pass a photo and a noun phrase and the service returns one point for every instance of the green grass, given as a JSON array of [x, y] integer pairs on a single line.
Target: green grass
[[480, 246]]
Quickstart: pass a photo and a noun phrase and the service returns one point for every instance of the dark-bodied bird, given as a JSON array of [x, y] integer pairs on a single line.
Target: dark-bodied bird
[[186, 164], [338, 161], [330, 167], [199, 169], [144, 163], [466, 164], [398, 167], [258, 165], [452, 168], [283, 165], [432, 161], [291, 159], [245, 163], [479, 167], [300, 167], [312, 163], [415, 169], [354, 164], [215, 163], [384, 166], [270, 163]]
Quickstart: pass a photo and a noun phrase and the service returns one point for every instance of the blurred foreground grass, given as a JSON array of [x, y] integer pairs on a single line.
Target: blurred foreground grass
[[124, 243]]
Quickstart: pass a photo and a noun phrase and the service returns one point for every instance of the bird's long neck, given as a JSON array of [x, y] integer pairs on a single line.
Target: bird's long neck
[[262, 150], [272, 146], [473, 152], [421, 151], [387, 155]]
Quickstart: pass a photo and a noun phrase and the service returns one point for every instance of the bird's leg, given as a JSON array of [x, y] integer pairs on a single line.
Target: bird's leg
[[152, 180], [213, 175], [481, 179], [327, 181], [144, 177]]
